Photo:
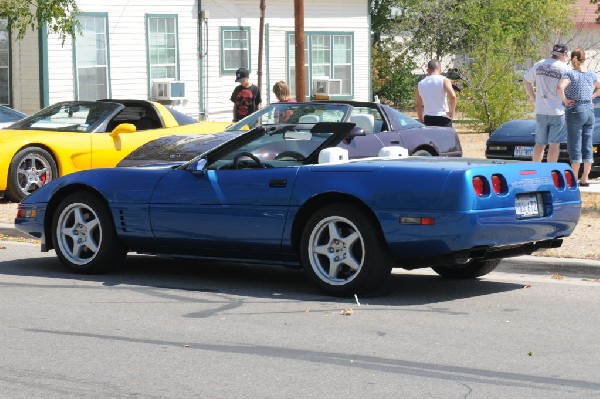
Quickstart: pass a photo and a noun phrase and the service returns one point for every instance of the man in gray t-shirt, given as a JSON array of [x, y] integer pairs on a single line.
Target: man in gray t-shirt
[[549, 109]]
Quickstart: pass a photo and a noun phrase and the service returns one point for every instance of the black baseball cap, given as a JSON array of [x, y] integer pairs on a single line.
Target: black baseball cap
[[241, 74], [559, 49]]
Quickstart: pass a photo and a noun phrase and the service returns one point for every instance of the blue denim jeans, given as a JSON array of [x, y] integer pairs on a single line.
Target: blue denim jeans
[[580, 130]]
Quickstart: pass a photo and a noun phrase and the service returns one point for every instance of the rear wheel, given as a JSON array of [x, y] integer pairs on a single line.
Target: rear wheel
[[84, 236], [30, 169], [422, 153], [343, 252], [472, 269]]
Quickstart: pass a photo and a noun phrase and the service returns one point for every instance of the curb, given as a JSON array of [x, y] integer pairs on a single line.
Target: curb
[[540, 265], [527, 264], [11, 231]]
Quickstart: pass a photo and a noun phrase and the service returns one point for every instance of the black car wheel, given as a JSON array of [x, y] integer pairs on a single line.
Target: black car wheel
[[472, 269], [343, 252], [84, 235], [422, 153], [30, 169]]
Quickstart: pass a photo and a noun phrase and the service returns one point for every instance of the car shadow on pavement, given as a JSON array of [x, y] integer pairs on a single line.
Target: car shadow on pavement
[[255, 281]]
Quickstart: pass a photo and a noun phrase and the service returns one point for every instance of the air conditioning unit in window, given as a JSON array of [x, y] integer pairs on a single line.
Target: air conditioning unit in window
[[323, 87], [167, 89]]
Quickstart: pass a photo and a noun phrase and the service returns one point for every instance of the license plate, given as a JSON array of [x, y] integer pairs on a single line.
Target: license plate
[[523, 151], [527, 206]]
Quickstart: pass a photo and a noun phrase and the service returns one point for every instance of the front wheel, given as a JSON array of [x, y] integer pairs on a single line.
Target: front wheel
[[344, 252], [84, 236], [30, 169], [472, 269]]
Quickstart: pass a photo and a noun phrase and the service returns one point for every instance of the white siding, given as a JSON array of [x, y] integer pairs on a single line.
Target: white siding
[[330, 16], [127, 40], [128, 61], [25, 74]]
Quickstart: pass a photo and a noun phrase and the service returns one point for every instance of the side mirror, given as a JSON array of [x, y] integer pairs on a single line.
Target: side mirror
[[355, 132], [123, 128], [197, 167]]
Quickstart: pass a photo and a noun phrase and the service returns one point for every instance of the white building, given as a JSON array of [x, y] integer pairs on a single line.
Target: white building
[[126, 46]]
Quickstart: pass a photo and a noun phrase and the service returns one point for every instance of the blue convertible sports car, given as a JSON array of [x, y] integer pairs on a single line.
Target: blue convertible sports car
[[290, 196]]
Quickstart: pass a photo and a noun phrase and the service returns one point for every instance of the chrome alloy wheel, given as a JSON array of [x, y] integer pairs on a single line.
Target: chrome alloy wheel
[[337, 250], [79, 233], [33, 172]]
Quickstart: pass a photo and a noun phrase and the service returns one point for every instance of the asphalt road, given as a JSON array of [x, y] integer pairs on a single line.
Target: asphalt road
[[172, 329]]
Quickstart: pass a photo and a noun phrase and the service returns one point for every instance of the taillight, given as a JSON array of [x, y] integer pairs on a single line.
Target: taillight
[[499, 184], [556, 178], [479, 184], [570, 178]]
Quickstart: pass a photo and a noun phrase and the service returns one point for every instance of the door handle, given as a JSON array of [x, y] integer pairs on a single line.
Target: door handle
[[277, 183]]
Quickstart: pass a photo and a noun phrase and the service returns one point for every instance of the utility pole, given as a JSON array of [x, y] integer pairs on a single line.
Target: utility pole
[[299, 47], [261, 43]]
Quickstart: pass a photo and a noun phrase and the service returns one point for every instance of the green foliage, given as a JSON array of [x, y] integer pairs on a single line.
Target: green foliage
[[59, 15], [492, 91], [393, 79], [497, 36]]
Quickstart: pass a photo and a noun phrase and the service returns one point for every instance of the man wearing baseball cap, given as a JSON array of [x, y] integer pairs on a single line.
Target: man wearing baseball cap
[[551, 128], [245, 97]]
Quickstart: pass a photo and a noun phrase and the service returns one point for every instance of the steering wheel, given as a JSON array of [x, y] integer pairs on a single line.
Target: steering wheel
[[295, 155], [236, 159]]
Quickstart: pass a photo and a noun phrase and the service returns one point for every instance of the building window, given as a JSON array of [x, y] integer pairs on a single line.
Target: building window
[[235, 48], [326, 55], [91, 58], [163, 47], [4, 62]]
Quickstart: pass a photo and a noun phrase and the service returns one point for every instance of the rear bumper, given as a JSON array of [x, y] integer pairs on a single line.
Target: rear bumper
[[478, 253], [477, 234]]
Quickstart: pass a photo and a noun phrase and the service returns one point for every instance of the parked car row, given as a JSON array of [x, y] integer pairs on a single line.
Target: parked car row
[[77, 135], [515, 140], [289, 194]]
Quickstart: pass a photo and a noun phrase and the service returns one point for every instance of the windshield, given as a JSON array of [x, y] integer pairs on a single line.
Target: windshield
[[294, 113], [277, 147], [77, 116], [9, 115], [404, 121]]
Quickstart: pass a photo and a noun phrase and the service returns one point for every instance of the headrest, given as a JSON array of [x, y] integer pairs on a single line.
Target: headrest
[[364, 121], [393, 152], [333, 155], [311, 118]]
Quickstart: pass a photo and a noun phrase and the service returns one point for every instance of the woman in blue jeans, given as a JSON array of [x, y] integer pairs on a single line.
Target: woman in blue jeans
[[577, 88]]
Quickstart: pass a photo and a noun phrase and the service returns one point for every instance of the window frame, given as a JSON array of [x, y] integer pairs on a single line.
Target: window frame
[[331, 34], [9, 65], [148, 17], [107, 49], [224, 29]]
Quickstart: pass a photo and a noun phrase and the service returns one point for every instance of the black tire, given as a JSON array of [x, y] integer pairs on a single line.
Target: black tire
[[472, 269], [367, 251], [84, 217], [422, 153], [30, 169]]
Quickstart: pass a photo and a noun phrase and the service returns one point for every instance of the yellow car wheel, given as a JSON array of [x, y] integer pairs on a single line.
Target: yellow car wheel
[[30, 169]]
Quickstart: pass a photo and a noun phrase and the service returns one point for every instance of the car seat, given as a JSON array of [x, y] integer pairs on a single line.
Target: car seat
[[364, 121], [310, 118]]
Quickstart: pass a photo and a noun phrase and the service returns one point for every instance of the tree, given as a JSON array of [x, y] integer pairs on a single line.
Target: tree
[[59, 15], [501, 37]]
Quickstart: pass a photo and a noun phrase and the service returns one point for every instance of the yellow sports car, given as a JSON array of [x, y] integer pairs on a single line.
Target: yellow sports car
[[75, 135]]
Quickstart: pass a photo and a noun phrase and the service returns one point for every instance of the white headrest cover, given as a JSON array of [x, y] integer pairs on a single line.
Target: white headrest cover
[[393, 152], [333, 155], [309, 119], [364, 121]]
